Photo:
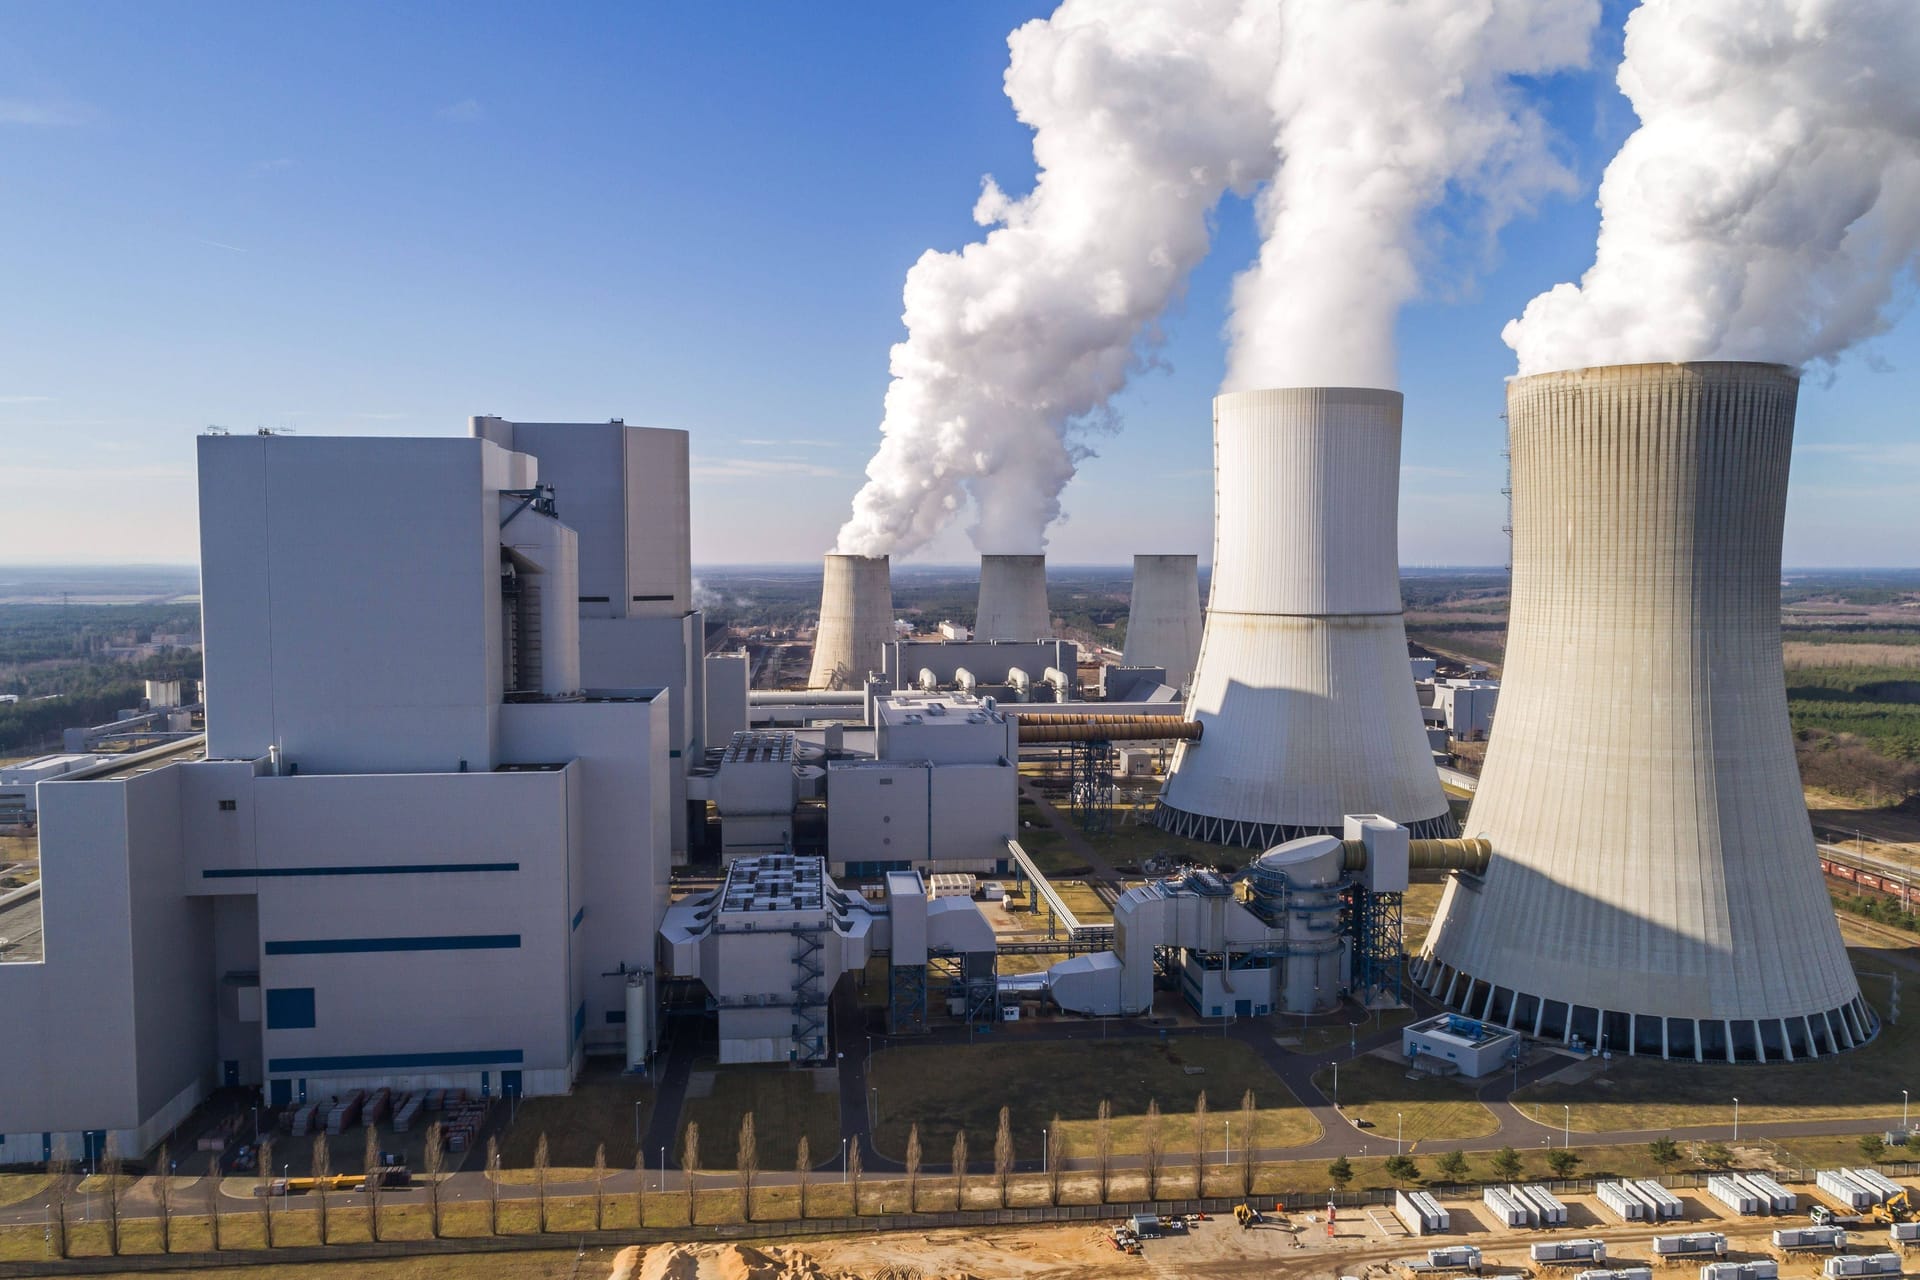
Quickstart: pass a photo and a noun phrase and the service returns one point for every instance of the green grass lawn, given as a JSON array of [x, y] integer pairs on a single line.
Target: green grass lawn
[[15, 1187], [1050, 851], [951, 1087], [1375, 1089], [785, 1104], [1639, 1093], [1318, 1040]]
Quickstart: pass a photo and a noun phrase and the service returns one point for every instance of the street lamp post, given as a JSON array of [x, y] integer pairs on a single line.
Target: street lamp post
[[1045, 1154], [1903, 1108], [1566, 1126], [663, 1169], [1336, 1085], [636, 1124], [1736, 1119], [1399, 1127], [843, 1160], [1229, 1159]]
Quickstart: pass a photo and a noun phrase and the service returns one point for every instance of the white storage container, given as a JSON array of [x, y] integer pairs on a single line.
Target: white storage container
[[1759, 1269], [1569, 1251], [1622, 1199], [1506, 1210], [1667, 1206], [1550, 1211], [1735, 1194], [1691, 1242], [1841, 1185], [1857, 1264], [1779, 1199]]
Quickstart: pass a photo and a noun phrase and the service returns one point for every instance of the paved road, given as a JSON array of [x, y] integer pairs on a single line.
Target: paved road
[[20, 926]]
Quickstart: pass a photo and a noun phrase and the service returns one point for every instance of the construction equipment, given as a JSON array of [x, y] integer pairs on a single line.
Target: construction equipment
[[1895, 1208], [1247, 1216], [1821, 1216]]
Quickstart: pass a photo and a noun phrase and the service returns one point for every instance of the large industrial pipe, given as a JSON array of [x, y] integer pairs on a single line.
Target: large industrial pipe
[[1040, 729], [1430, 855]]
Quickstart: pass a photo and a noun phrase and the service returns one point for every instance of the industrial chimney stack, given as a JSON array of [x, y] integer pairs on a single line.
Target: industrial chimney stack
[[1013, 599], [1303, 682], [856, 621], [1654, 887], [1163, 619]]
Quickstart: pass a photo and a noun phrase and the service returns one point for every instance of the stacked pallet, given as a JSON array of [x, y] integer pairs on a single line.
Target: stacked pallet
[[376, 1109], [343, 1114], [303, 1119]]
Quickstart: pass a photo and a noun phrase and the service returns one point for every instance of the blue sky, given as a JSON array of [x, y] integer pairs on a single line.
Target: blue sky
[[373, 219]]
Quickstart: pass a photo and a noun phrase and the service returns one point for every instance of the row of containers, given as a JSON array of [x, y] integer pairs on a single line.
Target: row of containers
[[1751, 1194], [1640, 1201], [1421, 1213], [1857, 1188], [1519, 1206]]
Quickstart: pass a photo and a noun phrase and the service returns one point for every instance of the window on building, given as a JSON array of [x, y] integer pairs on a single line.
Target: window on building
[[228, 806]]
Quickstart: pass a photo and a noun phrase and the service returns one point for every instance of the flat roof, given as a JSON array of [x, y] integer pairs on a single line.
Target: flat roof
[[775, 882]]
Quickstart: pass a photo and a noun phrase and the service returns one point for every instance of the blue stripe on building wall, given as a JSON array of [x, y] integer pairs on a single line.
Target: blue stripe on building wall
[[578, 916], [340, 946], [393, 869], [395, 1061]]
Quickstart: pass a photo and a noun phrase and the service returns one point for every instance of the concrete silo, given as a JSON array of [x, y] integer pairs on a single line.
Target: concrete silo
[[1013, 599], [1653, 887], [1163, 618], [856, 621], [1303, 682]]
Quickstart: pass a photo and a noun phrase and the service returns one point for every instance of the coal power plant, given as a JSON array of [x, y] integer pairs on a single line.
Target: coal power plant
[[1302, 681], [1013, 599], [1653, 887]]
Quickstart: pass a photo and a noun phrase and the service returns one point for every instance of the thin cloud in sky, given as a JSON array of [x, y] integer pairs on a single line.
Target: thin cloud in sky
[[274, 165], [25, 399], [795, 444], [219, 244], [43, 115], [465, 111], [754, 468]]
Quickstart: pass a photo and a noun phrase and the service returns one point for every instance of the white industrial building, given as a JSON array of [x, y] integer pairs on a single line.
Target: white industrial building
[[420, 846], [1303, 683], [1654, 887]]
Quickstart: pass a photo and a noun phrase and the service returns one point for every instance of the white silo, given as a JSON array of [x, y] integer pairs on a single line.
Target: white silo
[[856, 621], [1013, 599], [1303, 683], [1654, 887], [1163, 617]]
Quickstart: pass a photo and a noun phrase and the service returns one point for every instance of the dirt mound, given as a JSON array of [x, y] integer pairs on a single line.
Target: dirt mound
[[735, 1262]]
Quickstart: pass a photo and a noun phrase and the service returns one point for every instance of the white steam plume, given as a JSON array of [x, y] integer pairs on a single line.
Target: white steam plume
[[1143, 114], [1768, 206], [1387, 109]]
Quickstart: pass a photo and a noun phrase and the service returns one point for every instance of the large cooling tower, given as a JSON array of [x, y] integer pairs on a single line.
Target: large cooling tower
[[856, 621], [1303, 683], [1653, 887], [1013, 599], [1163, 620]]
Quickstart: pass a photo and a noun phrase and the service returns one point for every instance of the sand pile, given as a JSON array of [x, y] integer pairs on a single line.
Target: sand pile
[[734, 1262]]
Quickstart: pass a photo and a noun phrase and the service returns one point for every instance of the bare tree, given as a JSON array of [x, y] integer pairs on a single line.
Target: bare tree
[[600, 1187], [746, 1165], [370, 1161], [434, 1164], [853, 1173], [493, 1186], [211, 1188], [163, 1197], [1056, 1158], [60, 1181], [540, 1182], [690, 1165], [110, 1166], [322, 1181], [1249, 1142], [913, 1168], [959, 1162], [266, 1201], [803, 1171], [1003, 1154], [1200, 1144], [1103, 1147], [1153, 1150]]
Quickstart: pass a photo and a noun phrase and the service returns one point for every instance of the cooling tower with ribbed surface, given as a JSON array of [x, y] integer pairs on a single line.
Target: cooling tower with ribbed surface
[[1654, 886], [1302, 682], [1163, 618], [856, 621], [1013, 599]]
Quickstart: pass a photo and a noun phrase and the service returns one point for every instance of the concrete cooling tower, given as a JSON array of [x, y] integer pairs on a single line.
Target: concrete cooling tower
[[1013, 599], [1653, 887], [1163, 620], [856, 621], [1303, 683]]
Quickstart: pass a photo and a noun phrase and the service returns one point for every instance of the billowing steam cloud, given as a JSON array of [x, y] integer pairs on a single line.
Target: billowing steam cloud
[[1143, 112], [1386, 109], [1768, 207]]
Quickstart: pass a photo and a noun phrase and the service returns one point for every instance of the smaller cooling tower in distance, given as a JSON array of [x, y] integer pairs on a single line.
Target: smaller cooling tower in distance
[[1303, 683], [856, 621], [1163, 620], [1013, 599]]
